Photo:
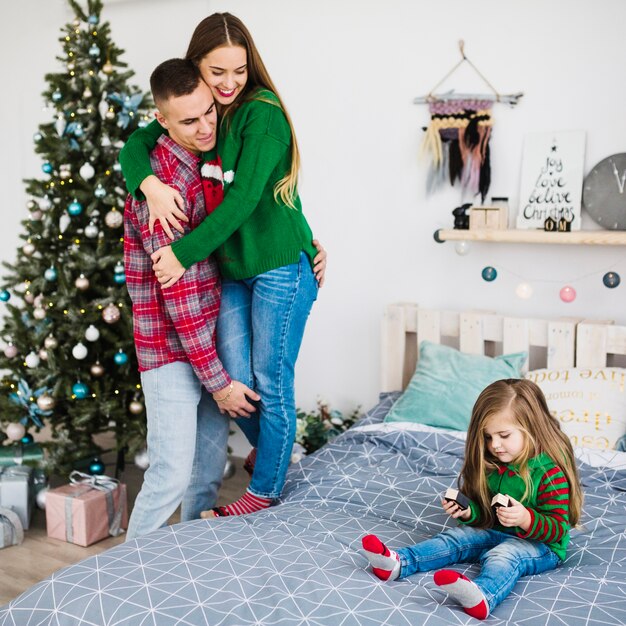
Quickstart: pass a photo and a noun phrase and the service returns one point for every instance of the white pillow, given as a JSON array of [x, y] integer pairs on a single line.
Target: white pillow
[[590, 403]]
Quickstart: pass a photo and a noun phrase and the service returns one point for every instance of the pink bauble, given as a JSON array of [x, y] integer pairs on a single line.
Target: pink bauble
[[15, 431], [10, 351], [567, 294]]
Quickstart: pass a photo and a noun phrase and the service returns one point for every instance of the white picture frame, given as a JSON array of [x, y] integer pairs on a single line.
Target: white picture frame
[[551, 179]]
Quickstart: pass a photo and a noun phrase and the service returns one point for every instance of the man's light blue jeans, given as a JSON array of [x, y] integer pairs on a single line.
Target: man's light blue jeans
[[259, 332], [503, 558], [187, 448]]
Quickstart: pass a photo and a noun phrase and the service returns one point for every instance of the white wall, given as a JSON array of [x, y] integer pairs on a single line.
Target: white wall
[[348, 71]]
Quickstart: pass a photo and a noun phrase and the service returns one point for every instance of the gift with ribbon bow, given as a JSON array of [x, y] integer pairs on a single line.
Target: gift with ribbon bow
[[17, 491], [21, 454], [89, 509]]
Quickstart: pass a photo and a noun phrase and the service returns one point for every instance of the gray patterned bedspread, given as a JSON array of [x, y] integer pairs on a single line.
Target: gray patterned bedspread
[[300, 562]]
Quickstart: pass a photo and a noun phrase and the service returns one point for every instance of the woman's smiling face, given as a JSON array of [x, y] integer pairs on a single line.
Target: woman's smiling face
[[225, 71]]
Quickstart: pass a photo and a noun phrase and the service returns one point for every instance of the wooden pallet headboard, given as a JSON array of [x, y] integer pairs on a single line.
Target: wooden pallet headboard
[[558, 343]]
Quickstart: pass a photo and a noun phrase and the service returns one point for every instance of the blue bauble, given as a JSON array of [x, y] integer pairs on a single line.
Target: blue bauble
[[47, 167], [93, 19], [80, 390], [75, 208], [37, 137], [96, 466], [5, 296], [100, 192], [120, 279], [57, 95], [117, 167], [50, 274], [611, 280], [489, 273], [121, 358], [94, 51], [27, 438], [79, 131]]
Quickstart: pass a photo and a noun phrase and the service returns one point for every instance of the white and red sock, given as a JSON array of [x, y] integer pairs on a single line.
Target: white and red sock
[[248, 503], [385, 562], [464, 591]]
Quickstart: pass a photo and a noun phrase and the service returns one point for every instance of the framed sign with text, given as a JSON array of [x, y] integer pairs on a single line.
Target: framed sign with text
[[551, 179]]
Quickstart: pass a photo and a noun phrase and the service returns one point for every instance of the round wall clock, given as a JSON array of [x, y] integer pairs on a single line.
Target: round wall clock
[[604, 192]]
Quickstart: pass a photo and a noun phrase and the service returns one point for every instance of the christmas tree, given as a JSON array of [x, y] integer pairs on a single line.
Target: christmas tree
[[69, 359]]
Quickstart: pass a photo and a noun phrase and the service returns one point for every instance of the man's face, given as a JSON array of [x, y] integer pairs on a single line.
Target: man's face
[[190, 119]]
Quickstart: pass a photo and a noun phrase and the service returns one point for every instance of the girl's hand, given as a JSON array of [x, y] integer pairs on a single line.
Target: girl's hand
[[319, 263], [235, 401], [165, 204], [455, 511], [514, 515], [166, 266]]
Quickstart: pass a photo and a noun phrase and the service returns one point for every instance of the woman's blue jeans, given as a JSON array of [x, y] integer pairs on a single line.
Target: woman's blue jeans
[[259, 332], [503, 558]]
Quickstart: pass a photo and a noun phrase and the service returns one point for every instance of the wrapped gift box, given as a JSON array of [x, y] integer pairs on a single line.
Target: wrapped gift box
[[89, 509], [21, 453], [11, 531], [17, 491]]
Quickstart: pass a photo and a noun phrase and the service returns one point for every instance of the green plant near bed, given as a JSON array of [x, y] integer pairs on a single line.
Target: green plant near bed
[[317, 427]]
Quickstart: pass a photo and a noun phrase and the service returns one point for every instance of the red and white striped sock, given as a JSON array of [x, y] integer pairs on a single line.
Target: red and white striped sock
[[464, 591], [385, 562], [248, 503]]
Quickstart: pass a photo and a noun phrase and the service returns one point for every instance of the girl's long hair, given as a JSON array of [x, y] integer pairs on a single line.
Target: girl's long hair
[[224, 29], [542, 433]]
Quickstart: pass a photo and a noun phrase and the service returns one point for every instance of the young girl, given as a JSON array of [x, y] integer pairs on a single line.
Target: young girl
[[516, 448], [260, 239]]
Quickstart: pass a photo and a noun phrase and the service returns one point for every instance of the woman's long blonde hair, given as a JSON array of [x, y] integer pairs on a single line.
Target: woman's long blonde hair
[[224, 29], [527, 404]]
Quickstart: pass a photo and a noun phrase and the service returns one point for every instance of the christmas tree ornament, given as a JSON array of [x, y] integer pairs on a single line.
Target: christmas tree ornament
[[94, 51], [103, 106], [39, 314], [50, 274], [107, 68], [86, 171], [117, 167], [462, 247], [96, 466], [92, 333], [43, 354], [31, 204], [56, 96], [524, 291], [141, 460], [79, 131], [60, 124], [37, 137], [114, 218], [29, 297], [93, 19], [111, 314], [611, 280], [28, 248], [38, 301], [567, 294], [100, 191], [110, 114], [40, 498], [135, 407], [10, 351], [36, 215], [32, 360], [82, 283], [5, 296], [47, 168], [80, 390], [45, 203], [91, 230], [46, 402], [65, 171], [87, 93], [27, 439], [15, 431], [64, 221], [74, 208], [120, 358], [79, 351], [119, 275], [97, 370], [50, 342]]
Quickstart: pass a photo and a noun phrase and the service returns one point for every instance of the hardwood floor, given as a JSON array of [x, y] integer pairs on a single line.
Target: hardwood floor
[[38, 557]]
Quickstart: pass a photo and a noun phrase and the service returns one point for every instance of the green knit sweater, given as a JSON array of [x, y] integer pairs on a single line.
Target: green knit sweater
[[548, 503], [249, 232]]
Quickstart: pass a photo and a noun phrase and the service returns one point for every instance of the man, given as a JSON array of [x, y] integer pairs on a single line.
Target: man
[[174, 329]]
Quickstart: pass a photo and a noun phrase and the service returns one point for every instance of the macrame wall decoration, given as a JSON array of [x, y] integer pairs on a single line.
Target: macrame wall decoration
[[457, 138]]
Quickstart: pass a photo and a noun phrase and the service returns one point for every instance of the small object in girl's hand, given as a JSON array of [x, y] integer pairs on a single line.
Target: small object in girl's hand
[[500, 500], [454, 495]]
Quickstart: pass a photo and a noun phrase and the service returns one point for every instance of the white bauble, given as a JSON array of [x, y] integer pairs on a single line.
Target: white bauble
[[114, 219], [39, 314], [86, 171], [82, 283], [32, 360], [79, 351], [15, 431], [28, 248], [50, 342], [92, 333], [141, 460], [41, 497], [64, 221], [91, 230], [45, 203]]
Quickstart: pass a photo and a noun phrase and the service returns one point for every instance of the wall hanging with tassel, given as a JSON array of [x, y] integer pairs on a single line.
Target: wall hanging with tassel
[[457, 138]]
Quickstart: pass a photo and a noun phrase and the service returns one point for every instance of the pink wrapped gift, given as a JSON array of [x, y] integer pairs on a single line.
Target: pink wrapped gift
[[89, 509]]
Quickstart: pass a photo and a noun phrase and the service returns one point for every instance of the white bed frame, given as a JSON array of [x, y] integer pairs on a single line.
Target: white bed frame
[[559, 343]]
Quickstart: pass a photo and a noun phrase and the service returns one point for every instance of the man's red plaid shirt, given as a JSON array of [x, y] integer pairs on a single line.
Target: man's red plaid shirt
[[178, 323]]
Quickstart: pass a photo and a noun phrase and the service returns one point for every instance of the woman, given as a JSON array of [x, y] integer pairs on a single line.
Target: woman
[[259, 237]]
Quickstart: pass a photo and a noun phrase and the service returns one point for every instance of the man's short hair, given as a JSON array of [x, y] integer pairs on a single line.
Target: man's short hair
[[174, 78]]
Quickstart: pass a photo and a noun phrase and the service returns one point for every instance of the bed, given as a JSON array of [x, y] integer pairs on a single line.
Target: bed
[[300, 562]]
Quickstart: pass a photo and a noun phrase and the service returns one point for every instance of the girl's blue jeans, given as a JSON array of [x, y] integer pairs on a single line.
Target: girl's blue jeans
[[259, 332], [503, 558]]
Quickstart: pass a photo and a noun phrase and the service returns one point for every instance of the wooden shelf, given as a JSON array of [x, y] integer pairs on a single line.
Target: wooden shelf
[[579, 237]]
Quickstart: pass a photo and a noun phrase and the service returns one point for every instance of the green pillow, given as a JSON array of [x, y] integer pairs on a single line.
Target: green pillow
[[447, 383]]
